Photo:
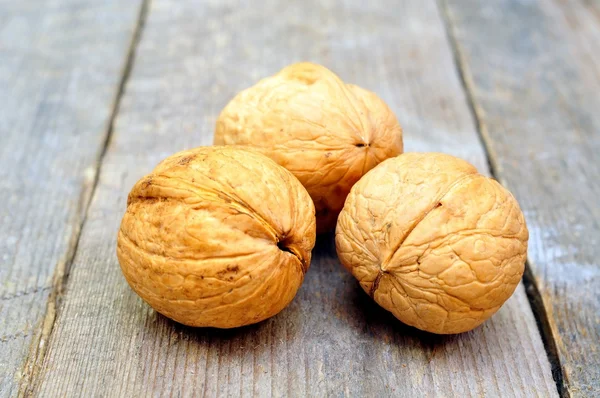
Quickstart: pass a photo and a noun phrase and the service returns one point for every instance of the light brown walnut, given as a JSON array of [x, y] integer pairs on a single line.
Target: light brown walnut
[[217, 236], [326, 132], [432, 241]]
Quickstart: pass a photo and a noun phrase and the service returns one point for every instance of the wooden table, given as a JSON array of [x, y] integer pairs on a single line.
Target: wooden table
[[94, 93]]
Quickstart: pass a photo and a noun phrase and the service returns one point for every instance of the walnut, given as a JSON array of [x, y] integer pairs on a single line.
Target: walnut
[[326, 132], [217, 236], [434, 242]]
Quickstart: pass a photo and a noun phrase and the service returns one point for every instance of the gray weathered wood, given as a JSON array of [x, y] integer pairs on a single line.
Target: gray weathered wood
[[332, 340], [534, 71], [60, 67]]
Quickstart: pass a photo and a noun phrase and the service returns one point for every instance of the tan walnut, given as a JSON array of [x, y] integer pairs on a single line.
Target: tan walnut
[[217, 236], [326, 132], [432, 241]]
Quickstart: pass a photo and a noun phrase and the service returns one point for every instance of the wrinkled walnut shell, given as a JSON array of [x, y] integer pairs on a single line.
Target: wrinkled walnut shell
[[326, 132], [217, 236], [432, 241]]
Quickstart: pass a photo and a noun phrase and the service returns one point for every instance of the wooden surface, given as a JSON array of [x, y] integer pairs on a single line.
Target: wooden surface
[[60, 67], [332, 340], [534, 72], [511, 83]]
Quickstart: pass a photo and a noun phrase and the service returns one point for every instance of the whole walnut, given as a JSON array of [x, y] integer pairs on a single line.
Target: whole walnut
[[326, 132], [434, 242], [217, 236]]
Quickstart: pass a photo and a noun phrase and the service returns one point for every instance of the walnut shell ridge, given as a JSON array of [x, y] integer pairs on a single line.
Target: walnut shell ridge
[[326, 132], [217, 236], [434, 242]]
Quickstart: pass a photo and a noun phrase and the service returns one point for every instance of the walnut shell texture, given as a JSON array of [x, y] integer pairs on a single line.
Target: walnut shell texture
[[217, 236], [434, 242], [326, 132]]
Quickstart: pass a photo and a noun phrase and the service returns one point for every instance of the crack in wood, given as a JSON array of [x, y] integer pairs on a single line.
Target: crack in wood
[[14, 336], [26, 292]]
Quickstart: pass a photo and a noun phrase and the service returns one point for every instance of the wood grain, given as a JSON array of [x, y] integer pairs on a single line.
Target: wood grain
[[534, 71], [60, 68], [332, 340]]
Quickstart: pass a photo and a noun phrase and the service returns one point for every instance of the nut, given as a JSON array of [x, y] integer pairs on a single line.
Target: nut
[[217, 236], [434, 242], [326, 132]]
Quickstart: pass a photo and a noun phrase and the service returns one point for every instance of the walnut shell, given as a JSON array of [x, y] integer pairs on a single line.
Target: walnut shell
[[326, 132], [217, 236], [432, 241]]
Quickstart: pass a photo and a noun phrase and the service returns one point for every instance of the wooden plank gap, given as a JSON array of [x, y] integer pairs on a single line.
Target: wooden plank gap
[[543, 323], [467, 85], [37, 350], [533, 293]]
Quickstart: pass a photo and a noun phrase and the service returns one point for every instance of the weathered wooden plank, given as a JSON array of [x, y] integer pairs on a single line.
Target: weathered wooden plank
[[534, 71], [60, 67], [332, 340]]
